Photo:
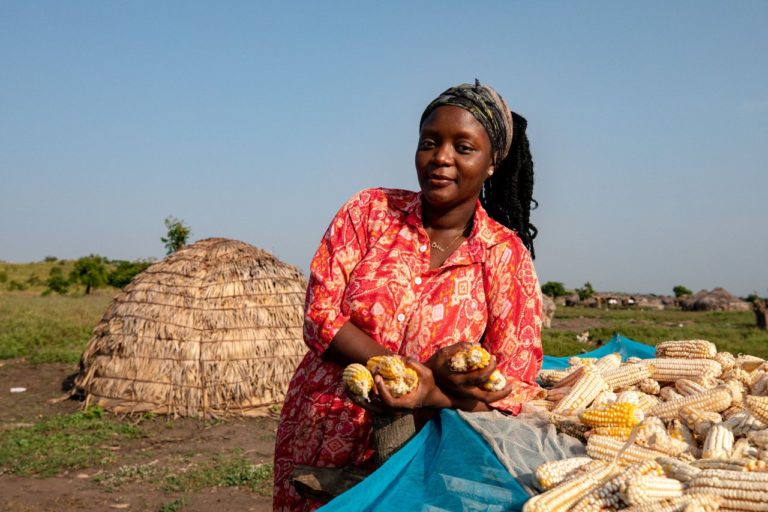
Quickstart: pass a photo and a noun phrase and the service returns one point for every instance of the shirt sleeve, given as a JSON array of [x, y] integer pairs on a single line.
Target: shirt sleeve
[[341, 249], [513, 333]]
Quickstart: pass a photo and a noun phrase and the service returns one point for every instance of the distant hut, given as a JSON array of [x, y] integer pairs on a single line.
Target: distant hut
[[548, 308], [717, 299], [214, 329]]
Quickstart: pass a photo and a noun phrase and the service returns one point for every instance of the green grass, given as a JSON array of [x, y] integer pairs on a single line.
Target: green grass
[[226, 470], [48, 329], [62, 443], [731, 331]]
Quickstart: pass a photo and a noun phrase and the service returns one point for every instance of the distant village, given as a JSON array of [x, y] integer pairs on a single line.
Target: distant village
[[717, 299]]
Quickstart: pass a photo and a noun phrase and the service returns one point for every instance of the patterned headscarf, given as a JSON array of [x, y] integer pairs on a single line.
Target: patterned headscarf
[[488, 107]]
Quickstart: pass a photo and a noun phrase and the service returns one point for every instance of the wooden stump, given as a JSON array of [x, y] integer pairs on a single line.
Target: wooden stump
[[761, 314], [390, 433]]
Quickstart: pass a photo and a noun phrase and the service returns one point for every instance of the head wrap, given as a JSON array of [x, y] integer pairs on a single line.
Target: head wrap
[[488, 107]]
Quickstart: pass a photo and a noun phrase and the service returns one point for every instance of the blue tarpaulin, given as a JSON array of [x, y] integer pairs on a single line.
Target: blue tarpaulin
[[447, 466]]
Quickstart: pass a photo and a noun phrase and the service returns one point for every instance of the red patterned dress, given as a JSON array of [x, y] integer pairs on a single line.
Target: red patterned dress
[[372, 267]]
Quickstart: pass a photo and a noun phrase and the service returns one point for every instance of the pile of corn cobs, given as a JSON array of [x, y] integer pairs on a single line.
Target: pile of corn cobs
[[684, 432]]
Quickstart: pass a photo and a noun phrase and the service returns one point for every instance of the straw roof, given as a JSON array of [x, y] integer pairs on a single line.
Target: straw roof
[[717, 299], [213, 329]]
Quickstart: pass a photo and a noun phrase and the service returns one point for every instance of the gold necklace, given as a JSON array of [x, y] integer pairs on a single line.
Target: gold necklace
[[434, 245]]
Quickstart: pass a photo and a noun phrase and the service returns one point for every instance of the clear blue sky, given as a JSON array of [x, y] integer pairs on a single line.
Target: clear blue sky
[[256, 120]]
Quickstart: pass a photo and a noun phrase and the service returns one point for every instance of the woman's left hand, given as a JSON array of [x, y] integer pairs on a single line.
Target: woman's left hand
[[426, 394], [466, 384]]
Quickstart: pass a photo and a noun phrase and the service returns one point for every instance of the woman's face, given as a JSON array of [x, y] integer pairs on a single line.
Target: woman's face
[[453, 159]]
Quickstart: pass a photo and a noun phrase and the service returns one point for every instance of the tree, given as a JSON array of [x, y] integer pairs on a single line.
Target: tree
[[585, 291], [56, 282], [125, 271], [90, 271], [681, 290], [554, 289], [178, 234]]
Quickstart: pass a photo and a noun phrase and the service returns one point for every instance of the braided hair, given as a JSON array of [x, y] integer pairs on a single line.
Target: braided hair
[[507, 195]]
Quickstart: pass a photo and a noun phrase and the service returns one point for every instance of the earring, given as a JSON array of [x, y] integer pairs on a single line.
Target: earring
[[490, 173]]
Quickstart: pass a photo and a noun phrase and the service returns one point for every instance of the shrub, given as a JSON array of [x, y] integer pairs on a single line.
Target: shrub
[[585, 291], [57, 282], [554, 289], [50, 259], [125, 271], [90, 271], [681, 290]]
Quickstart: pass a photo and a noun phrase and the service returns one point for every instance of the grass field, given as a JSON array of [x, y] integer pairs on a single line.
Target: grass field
[[56, 328]]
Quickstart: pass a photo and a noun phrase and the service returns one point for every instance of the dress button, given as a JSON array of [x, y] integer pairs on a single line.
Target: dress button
[[417, 280], [423, 248], [400, 317]]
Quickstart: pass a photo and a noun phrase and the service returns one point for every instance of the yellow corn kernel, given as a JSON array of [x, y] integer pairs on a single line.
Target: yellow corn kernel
[[471, 359], [496, 381], [612, 415], [389, 367], [358, 380], [622, 433]]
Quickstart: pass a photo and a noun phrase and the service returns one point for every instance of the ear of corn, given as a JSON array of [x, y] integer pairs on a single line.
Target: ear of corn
[[760, 438], [699, 421], [743, 449], [742, 422], [551, 473], [496, 381], [689, 349], [358, 380], [607, 494], [719, 443], [650, 488], [565, 495], [669, 393], [582, 393], [610, 449], [758, 407], [389, 367], [739, 490], [612, 415], [677, 469], [607, 363], [470, 359], [726, 360], [566, 425], [552, 377], [670, 370], [749, 363], [717, 399], [627, 375], [622, 433], [687, 387], [649, 386]]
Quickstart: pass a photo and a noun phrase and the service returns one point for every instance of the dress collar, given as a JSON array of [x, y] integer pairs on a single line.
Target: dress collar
[[485, 234]]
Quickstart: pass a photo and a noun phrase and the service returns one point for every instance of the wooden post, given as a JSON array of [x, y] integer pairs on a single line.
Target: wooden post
[[761, 313], [390, 433]]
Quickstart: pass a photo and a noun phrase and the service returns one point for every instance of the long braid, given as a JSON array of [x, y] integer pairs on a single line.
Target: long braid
[[507, 196]]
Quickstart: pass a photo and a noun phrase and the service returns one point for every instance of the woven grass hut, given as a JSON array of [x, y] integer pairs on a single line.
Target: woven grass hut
[[717, 299], [214, 329]]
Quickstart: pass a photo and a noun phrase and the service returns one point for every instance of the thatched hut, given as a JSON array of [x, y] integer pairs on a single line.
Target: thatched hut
[[717, 299], [214, 329]]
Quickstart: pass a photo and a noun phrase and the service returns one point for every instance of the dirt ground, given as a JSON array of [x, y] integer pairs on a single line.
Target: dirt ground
[[163, 444]]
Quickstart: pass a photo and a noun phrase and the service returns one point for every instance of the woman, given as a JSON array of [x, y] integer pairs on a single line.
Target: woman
[[421, 275]]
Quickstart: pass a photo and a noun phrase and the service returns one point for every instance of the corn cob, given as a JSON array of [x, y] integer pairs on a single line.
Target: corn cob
[[403, 385], [496, 381], [470, 359], [629, 397], [358, 380], [726, 360], [606, 495], [721, 464], [565, 495], [737, 374], [719, 443], [670, 370], [552, 473], [609, 448], [633, 359], [622, 433], [759, 384], [684, 503], [581, 361], [647, 402], [607, 363], [688, 349], [541, 404], [552, 377], [687, 387], [743, 449], [660, 441], [582, 392], [758, 407], [612, 415], [742, 422], [669, 393], [717, 399], [389, 367], [759, 437], [604, 398], [756, 466], [749, 363], [678, 430], [699, 421], [627, 375], [649, 386], [649, 488], [739, 490], [677, 469], [566, 425]]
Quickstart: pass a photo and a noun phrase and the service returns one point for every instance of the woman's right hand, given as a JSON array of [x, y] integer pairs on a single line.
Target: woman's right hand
[[462, 385]]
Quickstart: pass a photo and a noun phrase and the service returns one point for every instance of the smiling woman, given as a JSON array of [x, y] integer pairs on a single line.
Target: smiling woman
[[421, 276]]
